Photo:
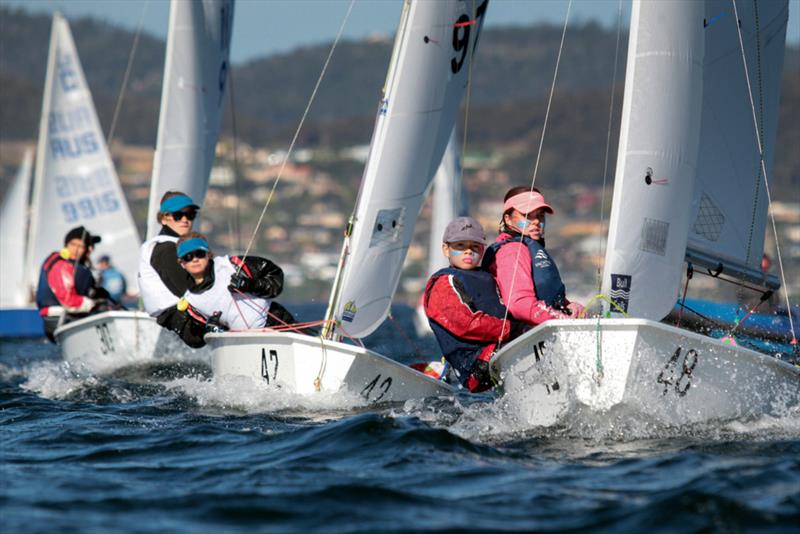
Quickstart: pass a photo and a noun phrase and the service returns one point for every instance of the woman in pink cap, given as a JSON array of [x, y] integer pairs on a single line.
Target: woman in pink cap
[[525, 272]]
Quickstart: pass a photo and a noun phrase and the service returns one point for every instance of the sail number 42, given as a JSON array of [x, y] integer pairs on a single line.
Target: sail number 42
[[683, 382]]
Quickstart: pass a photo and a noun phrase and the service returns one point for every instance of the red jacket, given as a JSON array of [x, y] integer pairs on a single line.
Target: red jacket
[[60, 277], [447, 307]]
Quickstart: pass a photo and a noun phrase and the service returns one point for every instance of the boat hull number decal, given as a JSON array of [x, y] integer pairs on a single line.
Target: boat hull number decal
[[106, 341], [267, 364], [382, 388], [668, 376]]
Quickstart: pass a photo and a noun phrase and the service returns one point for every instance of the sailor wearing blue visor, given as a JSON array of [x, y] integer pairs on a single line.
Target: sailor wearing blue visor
[[161, 280], [227, 292]]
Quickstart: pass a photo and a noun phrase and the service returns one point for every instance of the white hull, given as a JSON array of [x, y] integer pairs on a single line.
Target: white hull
[[107, 341], [305, 365], [671, 375]]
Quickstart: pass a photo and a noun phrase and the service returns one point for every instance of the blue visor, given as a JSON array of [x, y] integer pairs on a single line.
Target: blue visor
[[177, 203], [190, 245]]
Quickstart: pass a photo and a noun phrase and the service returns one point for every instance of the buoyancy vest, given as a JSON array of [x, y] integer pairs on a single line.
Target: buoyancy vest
[[239, 311], [546, 278], [156, 296], [480, 294], [45, 297]]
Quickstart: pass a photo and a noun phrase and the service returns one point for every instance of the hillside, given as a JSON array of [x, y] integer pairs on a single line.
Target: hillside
[[511, 79]]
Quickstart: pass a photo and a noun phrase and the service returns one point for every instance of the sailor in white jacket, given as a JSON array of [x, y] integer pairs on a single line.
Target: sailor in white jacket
[[228, 292]]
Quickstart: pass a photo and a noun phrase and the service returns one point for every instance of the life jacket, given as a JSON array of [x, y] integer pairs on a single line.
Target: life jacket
[[155, 295], [45, 297], [546, 279], [480, 295], [239, 311]]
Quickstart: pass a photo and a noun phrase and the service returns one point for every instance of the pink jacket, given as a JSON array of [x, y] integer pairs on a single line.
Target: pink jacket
[[521, 302]]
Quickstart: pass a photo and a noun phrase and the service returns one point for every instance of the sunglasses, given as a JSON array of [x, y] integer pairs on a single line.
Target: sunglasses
[[178, 215], [189, 256]]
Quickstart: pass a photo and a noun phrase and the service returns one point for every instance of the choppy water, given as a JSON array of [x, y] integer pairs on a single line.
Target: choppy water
[[163, 448]]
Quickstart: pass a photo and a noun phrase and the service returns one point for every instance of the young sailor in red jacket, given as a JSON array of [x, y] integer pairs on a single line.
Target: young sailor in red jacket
[[464, 308], [66, 285]]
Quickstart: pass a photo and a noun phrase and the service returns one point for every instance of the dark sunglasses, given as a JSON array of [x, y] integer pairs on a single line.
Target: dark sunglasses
[[189, 256], [178, 215]]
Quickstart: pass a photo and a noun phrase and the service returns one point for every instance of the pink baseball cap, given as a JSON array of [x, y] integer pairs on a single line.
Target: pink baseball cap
[[527, 202]]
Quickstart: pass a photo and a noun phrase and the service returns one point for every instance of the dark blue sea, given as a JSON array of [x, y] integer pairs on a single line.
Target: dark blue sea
[[162, 448]]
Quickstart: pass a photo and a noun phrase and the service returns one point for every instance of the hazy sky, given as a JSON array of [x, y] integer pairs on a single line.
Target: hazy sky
[[267, 26]]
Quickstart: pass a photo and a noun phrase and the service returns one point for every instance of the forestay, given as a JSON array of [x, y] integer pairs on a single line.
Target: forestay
[[75, 182], [195, 75], [657, 157], [428, 74], [14, 223], [448, 202], [729, 210]]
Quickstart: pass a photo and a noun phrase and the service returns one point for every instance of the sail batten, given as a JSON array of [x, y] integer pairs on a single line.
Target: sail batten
[[192, 99], [426, 81]]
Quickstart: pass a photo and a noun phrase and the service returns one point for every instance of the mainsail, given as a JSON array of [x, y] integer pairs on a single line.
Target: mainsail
[[75, 182], [428, 74], [657, 158], [14, 223], [447, 202], [195, 75], [729, 210]]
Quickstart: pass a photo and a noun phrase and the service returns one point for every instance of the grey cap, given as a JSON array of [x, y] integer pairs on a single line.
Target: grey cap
[[464, 229]]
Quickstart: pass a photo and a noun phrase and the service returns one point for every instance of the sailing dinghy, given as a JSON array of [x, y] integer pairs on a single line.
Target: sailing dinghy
[[427, 77], [196, 67], [689, 186], [18, 316]]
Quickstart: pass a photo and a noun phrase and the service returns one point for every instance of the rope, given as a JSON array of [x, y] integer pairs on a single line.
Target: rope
[[467, 99], [400, 329], [297, 132], [600, 252], [689, 273], [121, 95], [236, 180], [764, 173], [538, 155]]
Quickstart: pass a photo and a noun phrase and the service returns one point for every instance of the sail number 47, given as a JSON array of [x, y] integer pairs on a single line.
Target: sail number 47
[[683, 382]]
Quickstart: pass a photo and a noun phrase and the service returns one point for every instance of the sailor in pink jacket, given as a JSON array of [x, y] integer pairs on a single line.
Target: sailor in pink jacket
[[526, 274]]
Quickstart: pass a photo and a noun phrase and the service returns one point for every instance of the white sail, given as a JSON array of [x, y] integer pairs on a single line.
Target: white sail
[[657, 157], [729, 210], [13, 224], [75, 182], [192, 99], [427, 78], [447, 203]]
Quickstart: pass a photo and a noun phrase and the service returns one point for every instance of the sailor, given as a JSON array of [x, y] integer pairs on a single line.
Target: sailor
[[463, 307], [526, 273], [227, 292], [111, 279], [66, 288], [161, 280]]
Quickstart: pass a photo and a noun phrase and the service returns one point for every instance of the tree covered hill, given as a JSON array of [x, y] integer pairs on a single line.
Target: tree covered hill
[[510, 81]]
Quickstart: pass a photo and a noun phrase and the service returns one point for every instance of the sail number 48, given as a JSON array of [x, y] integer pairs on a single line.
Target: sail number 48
[[683, 382]]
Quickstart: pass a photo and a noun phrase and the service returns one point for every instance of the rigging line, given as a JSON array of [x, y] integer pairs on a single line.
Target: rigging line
[[538, 156], [128, 69], [297, 132], [764, 171], [466, 102], [236, 178], [600, 252]]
